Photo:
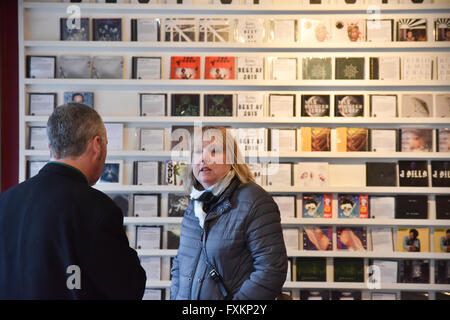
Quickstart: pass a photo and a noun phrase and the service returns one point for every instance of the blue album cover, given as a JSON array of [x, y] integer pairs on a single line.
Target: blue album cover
[[107, 29], [317, 238], [317, 206], [86, 98], [348, 206], [110, 173]]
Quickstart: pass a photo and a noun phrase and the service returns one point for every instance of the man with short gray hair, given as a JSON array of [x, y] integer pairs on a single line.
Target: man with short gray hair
[[59, 237]]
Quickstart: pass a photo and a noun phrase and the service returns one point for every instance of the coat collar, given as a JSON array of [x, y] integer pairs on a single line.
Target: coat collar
[[65, 170], [223, 205]]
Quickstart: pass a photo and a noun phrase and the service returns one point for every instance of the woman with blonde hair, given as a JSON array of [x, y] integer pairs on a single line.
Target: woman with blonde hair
[[231, 243]]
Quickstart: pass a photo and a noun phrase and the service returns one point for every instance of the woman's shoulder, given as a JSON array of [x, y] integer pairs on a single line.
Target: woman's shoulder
[[252, 192]]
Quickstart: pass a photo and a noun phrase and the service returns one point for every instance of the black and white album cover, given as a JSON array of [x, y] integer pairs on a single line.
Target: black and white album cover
[[146, 30], [351, 68], [214, 30], [413, 173], [250, 30], [153, 104], [107, 67], [107, 29], [180, 29], [381, 174], [385, 68], [146, 68], [250, 104], [33, 168], [74, 29], [383, 140], [440, 174], [41, 104], [74, 67], [315, 105], [177, 204], [316, 69], [417, 105], [250, 68], [41, 67], [417, 68], [349, 105], [411, 207]]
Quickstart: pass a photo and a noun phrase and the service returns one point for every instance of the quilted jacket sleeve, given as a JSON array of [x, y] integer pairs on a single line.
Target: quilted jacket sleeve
[[175, 278], [266, 244]]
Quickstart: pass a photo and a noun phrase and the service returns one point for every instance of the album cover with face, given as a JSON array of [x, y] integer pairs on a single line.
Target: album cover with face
[[83, 97], [317, 205], [412, 29], [315, 30], [442, 29], [177, 204], [353, 206], [416, 140], [349, 30]]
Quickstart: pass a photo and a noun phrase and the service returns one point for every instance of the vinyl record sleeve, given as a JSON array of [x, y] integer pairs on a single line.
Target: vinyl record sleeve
[[317, 205], [412, 29], [316, 69], [41, 67], [349, 68], [440, 174], [413, 239], [411, 207], [348, 269], [146, 30], [380, 30], [107, 29], [317, 238], [281, 105], [177, 204], [146, 172], [74, 67], [250, 104], [153, 104], [381, 174], [311, 269], [74, 29], [349, 105], [351, 238], [353, 206], [383, 140], [41, 104], [315, 105], [185, 105], [250, 30], [184, 67], [315, 30], [443, 139], [442, 207], [315, 139], [146, 68], [219, 68], [84, 97], [38, 139], [413, 173], [352, 139], [349, 30], [214, 30], [250, 68], [180, 29], [107, 67], [442, 29], [417, 105], [383, 106], [146, 205], [148, 237], [416, 140]]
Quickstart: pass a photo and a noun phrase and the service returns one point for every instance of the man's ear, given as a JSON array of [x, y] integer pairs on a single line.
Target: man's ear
[[97, 145]]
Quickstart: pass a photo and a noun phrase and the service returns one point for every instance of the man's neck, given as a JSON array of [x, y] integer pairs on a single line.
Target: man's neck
[[72, 163]]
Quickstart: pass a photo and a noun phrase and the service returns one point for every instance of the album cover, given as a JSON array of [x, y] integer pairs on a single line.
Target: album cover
[[185, 105], [256, 170], [385, 68], [417, 68], [74, 29], [218, 105], [413, 239], [287, 205], [412, 29], [352, 139], [291, 238], [317, 238], [151, 139], [443, 140], [152, 267], [387, 271], [153, 104], [442, 272], [383, 140], [172, 173], [311, 174], [353, 206], [186, 68], [311, 269], [314, 294], [413, 173], [315, 105], [440, 174], [349, 68], [146, 172], [442, 207], [250, 30], [41, 104], [281, 105], [283, 30], [414, 271], [315, 30], [33, 167], [214, 30], [411, 207], [349, 30], [279, 174], [349, 105], [41, 67], [250, 104], [383, 106], [417, 105], [382, 241], [180, 29], [114, 134], [177, 204], [315, 139], [112, 172], [346, 295], [442, 29], [416, 140], [379, 30], [250, 68], [283, 140], [351, 238], [317, 205], [146, 205], [250, 140], [381, 174], [107, 67], [148, 237], [316, 69], [348, 269], [74, 67], [83, 97], [38, 139], [146, 68], [107, 29], [284, 68], [382, 207], [146, 30], [173, 236], [442, 240], [443, 68], [181, 137], [219, 68]]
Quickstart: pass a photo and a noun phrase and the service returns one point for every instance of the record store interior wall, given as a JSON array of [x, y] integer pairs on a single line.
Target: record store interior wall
[[342, 99]]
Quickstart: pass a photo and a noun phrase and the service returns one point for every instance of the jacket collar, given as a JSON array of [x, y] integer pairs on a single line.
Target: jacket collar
[[65, 170], [223, 205]]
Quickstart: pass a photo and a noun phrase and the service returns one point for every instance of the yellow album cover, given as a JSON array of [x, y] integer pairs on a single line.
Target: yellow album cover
[[413, 239], [442, 240]]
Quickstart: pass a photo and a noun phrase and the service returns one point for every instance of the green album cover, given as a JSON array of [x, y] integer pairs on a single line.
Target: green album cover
[[317, 69], [348, 270], [218, 105], [350, 68], [311, 269], [185, 105]]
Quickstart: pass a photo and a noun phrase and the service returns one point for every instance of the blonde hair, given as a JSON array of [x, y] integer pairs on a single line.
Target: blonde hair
[[233, 157]]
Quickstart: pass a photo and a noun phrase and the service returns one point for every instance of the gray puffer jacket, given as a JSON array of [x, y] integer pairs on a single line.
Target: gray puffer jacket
[[244, 242]]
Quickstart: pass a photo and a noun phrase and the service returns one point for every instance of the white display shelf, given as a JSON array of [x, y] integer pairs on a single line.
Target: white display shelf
[[263, 121], [292, 189], [365, 222], [152, 8], [177, 156], [327, 254], [232, 84], [299, 46], [363, 286]]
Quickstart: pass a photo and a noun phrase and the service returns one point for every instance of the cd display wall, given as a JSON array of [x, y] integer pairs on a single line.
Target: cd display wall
[[345, 103]]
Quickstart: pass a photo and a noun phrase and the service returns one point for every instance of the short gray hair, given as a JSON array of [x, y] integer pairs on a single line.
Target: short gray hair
[[70, 127]]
